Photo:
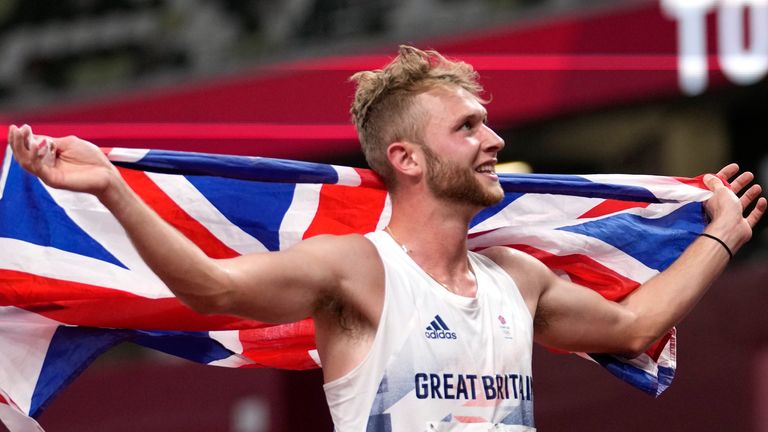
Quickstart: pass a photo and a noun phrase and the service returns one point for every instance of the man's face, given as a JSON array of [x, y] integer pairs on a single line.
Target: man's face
[[459, 148]]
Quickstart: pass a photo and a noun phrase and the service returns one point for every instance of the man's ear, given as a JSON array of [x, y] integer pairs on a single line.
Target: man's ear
[[405, 157]]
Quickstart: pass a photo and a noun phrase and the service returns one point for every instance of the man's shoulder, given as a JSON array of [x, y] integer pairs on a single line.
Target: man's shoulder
[[508, 258], [347, 251], [344, 243], [527, 271]]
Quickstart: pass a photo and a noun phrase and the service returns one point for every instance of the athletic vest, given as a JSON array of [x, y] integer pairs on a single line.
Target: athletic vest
[[440, 361]]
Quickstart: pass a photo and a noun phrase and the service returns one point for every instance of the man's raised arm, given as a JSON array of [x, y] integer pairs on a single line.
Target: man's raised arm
[[571, 317], [267, 287]]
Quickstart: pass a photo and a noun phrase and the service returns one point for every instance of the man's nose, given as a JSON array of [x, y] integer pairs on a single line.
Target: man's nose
[[495, 142]]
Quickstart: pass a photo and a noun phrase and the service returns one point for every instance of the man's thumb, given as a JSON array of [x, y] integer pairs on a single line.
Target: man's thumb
[[712, 181]]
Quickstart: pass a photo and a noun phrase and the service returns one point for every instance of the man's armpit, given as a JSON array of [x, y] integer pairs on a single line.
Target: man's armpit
[[333, 309], [541, 320]]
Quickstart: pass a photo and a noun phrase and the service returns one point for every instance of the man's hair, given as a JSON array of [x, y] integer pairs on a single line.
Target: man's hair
[[384, 111]]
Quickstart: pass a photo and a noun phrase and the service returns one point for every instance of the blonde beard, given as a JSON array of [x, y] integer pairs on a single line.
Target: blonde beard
[[452, 182]]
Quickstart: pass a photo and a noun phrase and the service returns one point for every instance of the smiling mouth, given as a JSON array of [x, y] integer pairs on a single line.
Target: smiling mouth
[[487, 168]]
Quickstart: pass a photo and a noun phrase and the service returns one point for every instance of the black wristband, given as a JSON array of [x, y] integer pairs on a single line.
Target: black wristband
[[727, 249]]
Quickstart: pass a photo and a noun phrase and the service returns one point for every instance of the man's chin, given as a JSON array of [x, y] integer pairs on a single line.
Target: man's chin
[[493, 196], [492, 200], [486, 198]]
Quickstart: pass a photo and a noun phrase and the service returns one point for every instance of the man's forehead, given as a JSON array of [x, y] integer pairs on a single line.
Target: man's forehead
[[452, 100]]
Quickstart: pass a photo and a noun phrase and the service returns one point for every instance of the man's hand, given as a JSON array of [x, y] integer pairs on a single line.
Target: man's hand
[[726, 208], [64, 163]]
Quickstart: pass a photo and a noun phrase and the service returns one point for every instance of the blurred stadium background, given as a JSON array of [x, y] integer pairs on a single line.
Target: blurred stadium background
[[577, 86]]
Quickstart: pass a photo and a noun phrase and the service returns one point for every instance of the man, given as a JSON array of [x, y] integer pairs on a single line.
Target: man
[[406, 319]]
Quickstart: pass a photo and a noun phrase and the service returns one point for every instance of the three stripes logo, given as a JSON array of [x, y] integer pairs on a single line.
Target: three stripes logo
[[438, 329]]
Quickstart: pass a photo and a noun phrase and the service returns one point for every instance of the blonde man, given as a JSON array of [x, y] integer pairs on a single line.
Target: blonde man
[[404, 317]]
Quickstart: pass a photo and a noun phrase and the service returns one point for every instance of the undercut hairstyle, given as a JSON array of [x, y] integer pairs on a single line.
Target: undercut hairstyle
[[384, 110]]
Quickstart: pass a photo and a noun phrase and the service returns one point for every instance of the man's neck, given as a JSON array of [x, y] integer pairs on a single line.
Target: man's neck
[[435, 236]]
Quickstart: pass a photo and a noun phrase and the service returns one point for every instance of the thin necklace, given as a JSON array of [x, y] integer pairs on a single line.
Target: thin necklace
[[407, 251]]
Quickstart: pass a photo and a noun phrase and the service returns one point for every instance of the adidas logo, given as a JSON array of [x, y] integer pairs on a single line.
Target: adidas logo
[[438, 329]]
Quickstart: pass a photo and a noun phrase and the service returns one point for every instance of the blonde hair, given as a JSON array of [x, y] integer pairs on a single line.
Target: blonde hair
[[384, 111]]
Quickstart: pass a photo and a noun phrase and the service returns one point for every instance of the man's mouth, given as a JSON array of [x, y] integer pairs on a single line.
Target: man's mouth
[[487, 168]]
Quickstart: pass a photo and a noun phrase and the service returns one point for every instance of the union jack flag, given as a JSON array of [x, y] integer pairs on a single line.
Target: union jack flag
[[72, 286]]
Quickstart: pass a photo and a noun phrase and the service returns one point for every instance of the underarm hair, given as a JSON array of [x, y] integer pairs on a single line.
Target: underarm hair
[[541, 319], [333, 306]]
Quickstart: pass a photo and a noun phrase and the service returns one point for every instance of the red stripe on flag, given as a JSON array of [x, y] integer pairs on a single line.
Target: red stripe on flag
[[585, 271], [93, 306], [284, 346], [470, 419], [612, 206], [695, 181], [175, 215], [369, 179], [655, 350], [346, 210], [699, 181]]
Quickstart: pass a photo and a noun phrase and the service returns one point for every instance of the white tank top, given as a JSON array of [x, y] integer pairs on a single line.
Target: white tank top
[[440, 361]]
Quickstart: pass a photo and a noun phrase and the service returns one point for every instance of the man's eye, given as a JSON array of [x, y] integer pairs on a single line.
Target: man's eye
[[466, 126]]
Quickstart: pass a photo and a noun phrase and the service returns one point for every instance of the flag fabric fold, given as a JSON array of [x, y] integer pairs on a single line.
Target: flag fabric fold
[[72, 286]]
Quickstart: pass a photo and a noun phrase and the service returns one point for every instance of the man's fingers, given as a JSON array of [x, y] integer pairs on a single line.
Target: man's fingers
[[19, 138], [26, 136], [728, 171], [713, 182], [742, 181], [750, 195], [757, 213], [31, 151], [18, 141], [12, 131]]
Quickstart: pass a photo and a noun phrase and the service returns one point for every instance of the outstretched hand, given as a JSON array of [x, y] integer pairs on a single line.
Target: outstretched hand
[[65, 163], [727, 205]]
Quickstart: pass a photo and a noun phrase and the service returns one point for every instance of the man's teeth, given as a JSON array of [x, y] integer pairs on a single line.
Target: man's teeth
[[485, 169]]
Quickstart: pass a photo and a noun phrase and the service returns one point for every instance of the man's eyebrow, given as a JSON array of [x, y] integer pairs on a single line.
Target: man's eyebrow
[[472, 117]]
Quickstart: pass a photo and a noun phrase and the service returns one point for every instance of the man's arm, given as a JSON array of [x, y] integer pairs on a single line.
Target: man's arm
[[570, 317], [273, 287]]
